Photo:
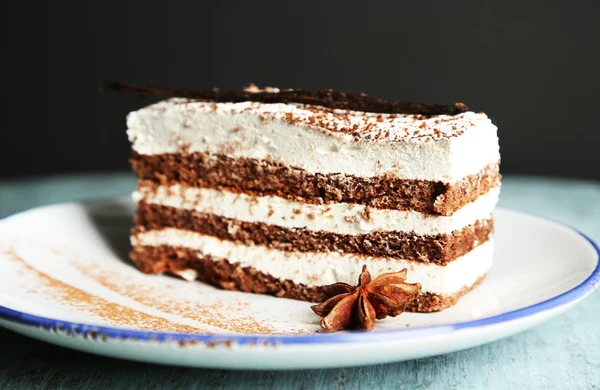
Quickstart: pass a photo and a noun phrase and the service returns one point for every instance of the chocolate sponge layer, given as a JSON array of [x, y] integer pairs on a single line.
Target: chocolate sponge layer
[[439, 248], [232, 276], [265, 177]]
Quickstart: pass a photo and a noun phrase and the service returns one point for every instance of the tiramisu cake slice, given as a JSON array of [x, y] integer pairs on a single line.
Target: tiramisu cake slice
[[282, 192]]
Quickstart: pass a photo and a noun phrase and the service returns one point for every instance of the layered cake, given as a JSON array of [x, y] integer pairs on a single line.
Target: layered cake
[[283, 192]]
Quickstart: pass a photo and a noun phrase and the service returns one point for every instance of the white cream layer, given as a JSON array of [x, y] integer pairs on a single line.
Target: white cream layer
[[341, 218], [441, 148], [317, 269]]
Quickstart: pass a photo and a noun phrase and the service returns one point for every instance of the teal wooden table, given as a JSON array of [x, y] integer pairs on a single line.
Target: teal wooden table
[[563, 353]]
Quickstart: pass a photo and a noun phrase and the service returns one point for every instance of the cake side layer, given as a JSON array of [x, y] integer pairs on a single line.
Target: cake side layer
[[315, 268], [338, 218], [440, 148], [221, 273], [436, 248], [270, 178]]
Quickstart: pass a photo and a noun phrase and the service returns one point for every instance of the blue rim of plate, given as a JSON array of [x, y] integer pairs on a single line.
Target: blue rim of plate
[[106, 332]]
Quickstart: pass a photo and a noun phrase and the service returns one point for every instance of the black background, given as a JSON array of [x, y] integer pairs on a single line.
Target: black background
[[533, 66]]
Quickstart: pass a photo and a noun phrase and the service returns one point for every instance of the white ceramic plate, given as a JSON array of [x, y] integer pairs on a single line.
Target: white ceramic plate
[[65, 279]]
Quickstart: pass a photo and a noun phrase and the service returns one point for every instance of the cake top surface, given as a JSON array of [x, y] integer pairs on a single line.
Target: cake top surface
[[345, 116], [343, 124]]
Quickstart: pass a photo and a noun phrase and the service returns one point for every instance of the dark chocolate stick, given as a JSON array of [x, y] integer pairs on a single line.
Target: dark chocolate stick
[[325, 98]]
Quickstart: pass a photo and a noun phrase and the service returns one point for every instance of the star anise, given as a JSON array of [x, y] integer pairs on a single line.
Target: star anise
[[357, 307]]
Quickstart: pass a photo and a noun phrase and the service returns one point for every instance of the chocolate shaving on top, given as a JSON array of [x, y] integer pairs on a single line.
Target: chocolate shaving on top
[[350, 307], [324, 98]]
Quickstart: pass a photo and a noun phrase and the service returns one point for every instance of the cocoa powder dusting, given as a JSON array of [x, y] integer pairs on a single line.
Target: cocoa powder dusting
[[230, 315], [153, 297], [111, 313]]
